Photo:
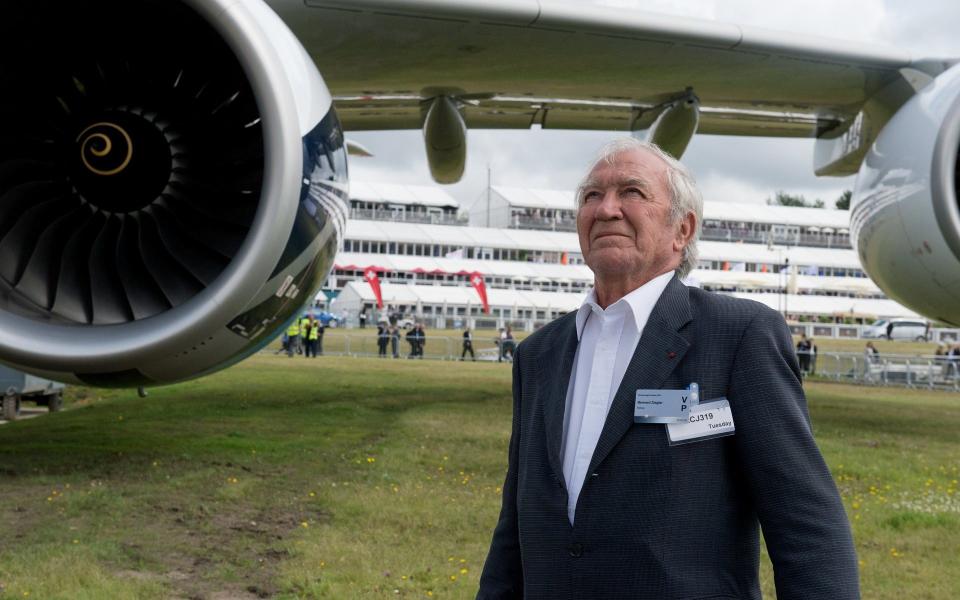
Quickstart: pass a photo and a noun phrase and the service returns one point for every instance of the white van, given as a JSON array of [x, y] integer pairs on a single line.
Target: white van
[[898, 329]]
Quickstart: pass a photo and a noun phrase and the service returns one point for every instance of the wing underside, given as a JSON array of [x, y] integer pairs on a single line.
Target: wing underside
[[515, 64], [371, 112]]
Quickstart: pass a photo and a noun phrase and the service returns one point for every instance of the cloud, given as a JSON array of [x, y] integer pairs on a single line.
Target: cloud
[[728, 169], [928, 28], [720, 187], [533, 159]]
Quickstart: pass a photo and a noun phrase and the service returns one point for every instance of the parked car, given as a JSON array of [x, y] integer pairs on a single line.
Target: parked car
[[898, 329], [328, 319]]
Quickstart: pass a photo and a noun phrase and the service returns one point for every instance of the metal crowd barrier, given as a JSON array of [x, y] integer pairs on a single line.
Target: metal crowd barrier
[[912, 371]]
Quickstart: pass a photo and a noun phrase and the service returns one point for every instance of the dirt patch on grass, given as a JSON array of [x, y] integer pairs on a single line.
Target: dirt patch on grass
[[242, 538], [251, 592], [200, 547], [24, 508]]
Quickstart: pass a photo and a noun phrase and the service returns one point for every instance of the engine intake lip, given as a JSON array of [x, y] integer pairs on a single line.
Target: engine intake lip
[[106, 348], [945, 177]]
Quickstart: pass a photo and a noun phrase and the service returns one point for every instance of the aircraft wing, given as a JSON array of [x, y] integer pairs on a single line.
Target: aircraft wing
[[520, 63]]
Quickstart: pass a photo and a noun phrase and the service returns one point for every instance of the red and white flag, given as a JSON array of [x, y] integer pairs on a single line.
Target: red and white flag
[[476, 280], [370, 274]]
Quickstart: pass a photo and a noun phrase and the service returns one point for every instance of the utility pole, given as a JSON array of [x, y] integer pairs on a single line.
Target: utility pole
[[786, 290], [488, 194]]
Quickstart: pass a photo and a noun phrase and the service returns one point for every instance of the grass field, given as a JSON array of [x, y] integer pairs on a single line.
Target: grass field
[[883, 346], [358, 478]]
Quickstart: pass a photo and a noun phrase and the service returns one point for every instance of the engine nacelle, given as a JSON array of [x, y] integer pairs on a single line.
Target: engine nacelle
[[905, 219], [173, 186]]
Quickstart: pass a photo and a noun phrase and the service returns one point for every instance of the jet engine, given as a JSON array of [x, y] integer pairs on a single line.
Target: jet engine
[[905, 218], [173, 186]]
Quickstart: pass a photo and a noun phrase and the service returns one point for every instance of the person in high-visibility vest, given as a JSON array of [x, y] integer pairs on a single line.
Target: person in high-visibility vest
[[293, 337], [304, 323], [313, 336]]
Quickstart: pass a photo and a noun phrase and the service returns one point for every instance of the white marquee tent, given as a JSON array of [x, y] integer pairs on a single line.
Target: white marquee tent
[[527, 273], [357, 293], [551, 241]]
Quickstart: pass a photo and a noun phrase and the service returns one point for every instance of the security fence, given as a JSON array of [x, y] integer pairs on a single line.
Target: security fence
[[907, 370], [912, 371], [841, 331], [522, 319]]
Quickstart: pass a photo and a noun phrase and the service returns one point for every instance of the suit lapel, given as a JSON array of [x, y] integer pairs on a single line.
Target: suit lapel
[[554, 378], [660, 350]]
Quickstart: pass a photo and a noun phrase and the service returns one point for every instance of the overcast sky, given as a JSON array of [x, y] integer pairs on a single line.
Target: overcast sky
[[557, 159]]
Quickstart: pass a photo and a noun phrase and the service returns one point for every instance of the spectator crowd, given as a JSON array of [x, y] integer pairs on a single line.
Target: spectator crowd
[[304, 336]]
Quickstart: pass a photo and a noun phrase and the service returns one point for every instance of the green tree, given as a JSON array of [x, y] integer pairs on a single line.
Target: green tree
[[843, 202], [782, 198]]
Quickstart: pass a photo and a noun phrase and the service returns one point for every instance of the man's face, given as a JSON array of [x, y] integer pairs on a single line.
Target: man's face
[[624, 221]]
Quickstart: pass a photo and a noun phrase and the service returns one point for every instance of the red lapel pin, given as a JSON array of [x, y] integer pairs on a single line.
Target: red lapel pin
[[671, 354]]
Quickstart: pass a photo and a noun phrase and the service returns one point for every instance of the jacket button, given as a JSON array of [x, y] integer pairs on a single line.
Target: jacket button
[[576, 550]]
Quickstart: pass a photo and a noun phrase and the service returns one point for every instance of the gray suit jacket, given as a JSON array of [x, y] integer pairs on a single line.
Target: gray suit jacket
[[672, 522]]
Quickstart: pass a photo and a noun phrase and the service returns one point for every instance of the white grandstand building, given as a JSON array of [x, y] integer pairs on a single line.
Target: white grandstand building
[[523, 241]]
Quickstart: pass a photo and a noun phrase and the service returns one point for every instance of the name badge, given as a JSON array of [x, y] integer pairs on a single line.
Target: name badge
[[707, 421], [665, 406]]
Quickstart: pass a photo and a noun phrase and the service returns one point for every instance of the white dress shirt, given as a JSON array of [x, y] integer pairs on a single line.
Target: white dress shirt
[[608, 339]]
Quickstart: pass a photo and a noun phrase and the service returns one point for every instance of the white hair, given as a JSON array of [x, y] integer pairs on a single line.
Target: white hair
[[684, 195]]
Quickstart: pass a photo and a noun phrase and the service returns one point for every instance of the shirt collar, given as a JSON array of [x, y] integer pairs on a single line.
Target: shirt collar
[[640, 301]]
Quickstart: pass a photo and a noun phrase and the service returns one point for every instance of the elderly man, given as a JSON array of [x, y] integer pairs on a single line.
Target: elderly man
[[603, 501]]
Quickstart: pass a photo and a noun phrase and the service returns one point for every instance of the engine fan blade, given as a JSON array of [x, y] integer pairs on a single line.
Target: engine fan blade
[[142, 292], [39, 280], [18, 245], [202, 262], [16, 172], [72, 298], [219, 236], [19, 199], [233, 209], [176, 281], [106, 287]]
